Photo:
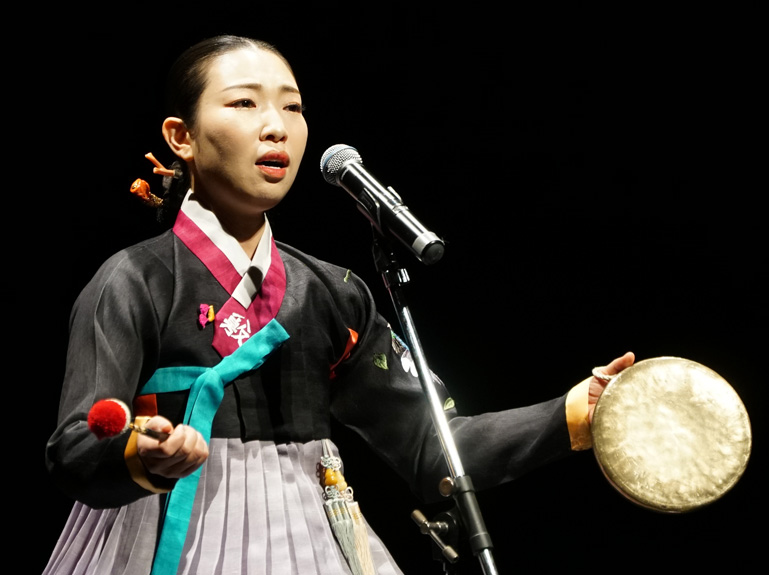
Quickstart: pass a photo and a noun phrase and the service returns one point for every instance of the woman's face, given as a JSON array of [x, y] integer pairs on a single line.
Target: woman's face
[[249, 135]]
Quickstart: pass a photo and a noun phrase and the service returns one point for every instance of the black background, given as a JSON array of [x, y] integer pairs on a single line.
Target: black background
[[594, 172]]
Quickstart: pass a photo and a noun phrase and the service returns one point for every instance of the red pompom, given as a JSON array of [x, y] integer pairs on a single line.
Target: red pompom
[[108, 418]]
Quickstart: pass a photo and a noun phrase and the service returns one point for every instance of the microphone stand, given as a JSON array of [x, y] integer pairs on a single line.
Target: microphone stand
[[459, 486]]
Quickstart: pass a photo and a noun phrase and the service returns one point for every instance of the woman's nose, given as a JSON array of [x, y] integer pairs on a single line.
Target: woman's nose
[[274, 128]]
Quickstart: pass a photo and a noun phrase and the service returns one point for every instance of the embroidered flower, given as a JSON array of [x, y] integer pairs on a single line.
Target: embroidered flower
[[408, 364]]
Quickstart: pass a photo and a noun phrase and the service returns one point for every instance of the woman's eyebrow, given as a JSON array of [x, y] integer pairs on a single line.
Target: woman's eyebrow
[[257, 87]]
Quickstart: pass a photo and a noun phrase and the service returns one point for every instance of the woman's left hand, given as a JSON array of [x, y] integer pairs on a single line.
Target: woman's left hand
[[597, 385]]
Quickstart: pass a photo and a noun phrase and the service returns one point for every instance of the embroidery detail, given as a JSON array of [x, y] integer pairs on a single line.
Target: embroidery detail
[[408, 364], [206, 314], [380, 360], [234, 327], [399, 346]]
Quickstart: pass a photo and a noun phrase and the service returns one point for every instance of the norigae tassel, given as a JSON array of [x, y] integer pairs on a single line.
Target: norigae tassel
[[344, 515]]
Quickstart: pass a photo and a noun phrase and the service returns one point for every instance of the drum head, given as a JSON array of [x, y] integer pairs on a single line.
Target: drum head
[[671, 434]]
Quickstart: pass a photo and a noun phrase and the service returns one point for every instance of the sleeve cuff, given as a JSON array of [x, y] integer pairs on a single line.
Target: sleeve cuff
[[134, 463], [577, 417]]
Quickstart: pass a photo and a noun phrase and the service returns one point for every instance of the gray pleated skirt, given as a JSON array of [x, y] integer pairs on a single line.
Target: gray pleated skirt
[[258, 510]]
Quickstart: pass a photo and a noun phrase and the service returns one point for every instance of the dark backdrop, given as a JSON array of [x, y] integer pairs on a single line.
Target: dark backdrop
[[592, 170]]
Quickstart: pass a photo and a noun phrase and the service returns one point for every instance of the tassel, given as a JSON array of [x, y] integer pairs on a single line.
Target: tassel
[[344, 531], [344, 515], [362, 549]]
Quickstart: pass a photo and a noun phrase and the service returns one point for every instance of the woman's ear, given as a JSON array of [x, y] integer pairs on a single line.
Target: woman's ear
[[178, 138]]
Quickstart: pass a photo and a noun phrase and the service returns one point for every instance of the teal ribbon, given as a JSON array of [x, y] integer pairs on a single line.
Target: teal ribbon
[[206, 386]]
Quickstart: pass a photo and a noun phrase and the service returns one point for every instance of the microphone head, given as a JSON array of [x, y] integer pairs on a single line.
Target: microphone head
[[336, 158]]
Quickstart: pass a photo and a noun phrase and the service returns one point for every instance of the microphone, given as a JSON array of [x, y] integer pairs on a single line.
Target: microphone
[[342, 166]]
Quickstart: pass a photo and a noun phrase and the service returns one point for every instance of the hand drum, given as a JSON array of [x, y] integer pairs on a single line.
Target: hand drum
[[671, 435]]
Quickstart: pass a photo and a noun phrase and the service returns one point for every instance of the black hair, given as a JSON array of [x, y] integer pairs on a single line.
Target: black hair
[[187, 76]]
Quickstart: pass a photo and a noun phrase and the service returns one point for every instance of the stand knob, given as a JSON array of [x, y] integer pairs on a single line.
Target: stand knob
[[435, 529]]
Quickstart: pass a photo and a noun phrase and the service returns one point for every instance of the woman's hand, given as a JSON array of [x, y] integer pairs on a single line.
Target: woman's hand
[[180, 455], [597, 385]]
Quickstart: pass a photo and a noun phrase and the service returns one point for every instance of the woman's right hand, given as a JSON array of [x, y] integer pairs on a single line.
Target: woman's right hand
[[180, 455]]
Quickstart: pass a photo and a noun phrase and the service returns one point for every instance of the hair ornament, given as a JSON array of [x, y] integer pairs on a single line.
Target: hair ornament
[[159, 168], [141, 189]]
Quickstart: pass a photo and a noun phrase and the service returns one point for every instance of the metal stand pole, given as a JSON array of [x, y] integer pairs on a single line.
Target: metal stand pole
[[459, 486]]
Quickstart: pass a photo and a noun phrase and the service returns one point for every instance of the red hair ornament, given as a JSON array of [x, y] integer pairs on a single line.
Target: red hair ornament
[[141, 189]]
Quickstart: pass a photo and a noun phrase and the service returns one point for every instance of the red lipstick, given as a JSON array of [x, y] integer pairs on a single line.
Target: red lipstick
[[273, 164]]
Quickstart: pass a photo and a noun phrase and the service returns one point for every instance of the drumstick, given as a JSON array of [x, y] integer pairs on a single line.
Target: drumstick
[[111, 417]]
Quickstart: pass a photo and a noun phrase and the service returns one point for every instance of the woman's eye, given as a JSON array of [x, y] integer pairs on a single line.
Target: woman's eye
[[245, 103], [298, 108]]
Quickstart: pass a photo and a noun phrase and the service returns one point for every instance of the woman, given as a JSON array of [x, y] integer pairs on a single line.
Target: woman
[[243, 349]]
